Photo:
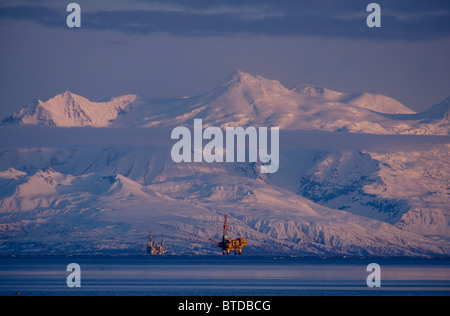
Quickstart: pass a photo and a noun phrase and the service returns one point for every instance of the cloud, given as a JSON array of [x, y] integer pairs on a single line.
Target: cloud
[[36, 136], [39, 14], [402, 19]]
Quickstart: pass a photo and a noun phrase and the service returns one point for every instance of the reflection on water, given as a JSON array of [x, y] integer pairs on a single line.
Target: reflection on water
[[222, 276]]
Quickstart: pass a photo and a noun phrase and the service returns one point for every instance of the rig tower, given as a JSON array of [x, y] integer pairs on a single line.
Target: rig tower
[[227, 244]]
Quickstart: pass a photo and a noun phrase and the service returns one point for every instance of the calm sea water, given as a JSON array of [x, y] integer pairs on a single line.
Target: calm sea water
[[221, 276]]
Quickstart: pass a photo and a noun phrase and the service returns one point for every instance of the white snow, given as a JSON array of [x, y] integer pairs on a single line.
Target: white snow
[[245, 100], [380, 103], [71, 110], [81, 196]]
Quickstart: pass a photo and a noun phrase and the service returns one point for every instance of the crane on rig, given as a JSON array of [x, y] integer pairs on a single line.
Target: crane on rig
[[227, 244]]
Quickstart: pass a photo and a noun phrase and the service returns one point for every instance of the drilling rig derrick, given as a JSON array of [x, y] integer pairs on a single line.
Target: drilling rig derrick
[[227, 244]]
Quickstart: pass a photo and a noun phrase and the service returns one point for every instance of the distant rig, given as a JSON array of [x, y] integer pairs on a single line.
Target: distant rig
[[227, 244], [153, 248]]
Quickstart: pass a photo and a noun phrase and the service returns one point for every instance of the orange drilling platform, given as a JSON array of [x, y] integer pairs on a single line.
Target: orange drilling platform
[[228, 245]]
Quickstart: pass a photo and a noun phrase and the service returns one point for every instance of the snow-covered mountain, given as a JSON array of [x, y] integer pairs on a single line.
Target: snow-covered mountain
[[245, 100], [319, 91], [70, 110], [379, 197], [375, 102], [53, 212], [438, 111], [379, 103]]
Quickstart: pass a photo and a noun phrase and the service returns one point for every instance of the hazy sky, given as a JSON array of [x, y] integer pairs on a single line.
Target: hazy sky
[[174, 48]]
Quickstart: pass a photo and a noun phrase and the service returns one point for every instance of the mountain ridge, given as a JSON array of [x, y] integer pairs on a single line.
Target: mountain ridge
[[71, 110], [297, 225], [244, 100]]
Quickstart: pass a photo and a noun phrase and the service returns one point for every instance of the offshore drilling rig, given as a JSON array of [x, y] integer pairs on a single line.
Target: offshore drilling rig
[[227, 245], [153, 248]]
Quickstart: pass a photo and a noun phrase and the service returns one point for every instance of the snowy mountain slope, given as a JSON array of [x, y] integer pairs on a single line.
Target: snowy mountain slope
[[319, 91], [338, 180], [95, 213], [409, 189], [244, 100], [392, 188], [101, 189], [421, 179], [379, 103], [70, 110], [375, 102], [12, 173], [433, 121], [9, 180], [438, 111], [287, 217]]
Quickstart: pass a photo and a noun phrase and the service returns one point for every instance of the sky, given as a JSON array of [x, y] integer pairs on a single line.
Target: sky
[[175, 48]]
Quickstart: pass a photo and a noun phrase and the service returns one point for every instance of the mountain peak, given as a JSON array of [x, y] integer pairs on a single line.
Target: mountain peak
[[69, 97], [239, 76], [318, 91], [70, 110], [67, 94], [241, 79]]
